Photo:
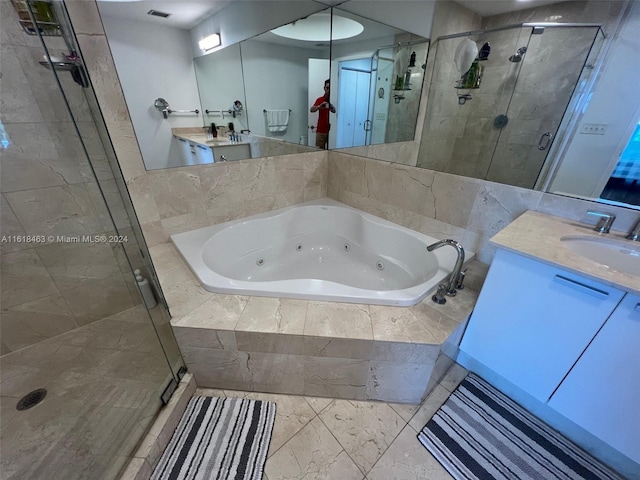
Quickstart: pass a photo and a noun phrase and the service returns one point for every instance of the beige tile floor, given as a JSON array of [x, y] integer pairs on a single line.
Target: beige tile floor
[[334, 439]]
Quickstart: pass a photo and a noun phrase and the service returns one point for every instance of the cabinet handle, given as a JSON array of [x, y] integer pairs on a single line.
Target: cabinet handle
[[581, 286]]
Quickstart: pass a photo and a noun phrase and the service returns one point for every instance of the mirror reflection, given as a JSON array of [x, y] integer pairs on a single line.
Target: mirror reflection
[[502, 119], [497, 98]]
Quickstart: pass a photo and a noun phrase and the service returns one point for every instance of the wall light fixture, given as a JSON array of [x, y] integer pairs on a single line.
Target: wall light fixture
[[209, 42]]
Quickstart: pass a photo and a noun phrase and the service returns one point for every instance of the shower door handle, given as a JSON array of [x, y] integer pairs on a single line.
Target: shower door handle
[[367, 125], [545, 140]]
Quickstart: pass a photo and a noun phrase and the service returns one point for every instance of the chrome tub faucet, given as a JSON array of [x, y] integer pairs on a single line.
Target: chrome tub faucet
[[456, 276]]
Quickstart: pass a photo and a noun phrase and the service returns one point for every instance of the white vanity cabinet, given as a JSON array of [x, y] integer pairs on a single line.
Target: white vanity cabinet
[[532, 321], [239, 151], [602, 391]]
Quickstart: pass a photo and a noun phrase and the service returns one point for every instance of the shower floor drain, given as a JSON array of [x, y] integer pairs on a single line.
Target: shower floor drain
[[31, 399]]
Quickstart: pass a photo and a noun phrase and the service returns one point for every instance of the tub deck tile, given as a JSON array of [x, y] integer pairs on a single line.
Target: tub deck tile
[[273, 315], [312, 348], [398, 325], [339, 320]]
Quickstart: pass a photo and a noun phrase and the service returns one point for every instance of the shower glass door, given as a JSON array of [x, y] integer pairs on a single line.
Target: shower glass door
[[502, 127], [73, 320], [551, 71]]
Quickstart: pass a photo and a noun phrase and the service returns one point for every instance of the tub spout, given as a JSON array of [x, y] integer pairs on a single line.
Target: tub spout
[[455, 277]]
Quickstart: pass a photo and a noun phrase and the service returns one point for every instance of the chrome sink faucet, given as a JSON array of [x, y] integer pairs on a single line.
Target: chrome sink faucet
[[605, 221], [634, 234], [456, 275]]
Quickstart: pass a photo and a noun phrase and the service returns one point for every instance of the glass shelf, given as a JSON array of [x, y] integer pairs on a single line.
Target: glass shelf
[[48, 29]]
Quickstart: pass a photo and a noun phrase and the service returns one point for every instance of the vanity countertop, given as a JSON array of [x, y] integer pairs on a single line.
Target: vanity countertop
[[197, 136], [538, 236]]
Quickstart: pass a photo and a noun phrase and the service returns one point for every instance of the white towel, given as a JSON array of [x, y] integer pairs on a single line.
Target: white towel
[[277, 120]]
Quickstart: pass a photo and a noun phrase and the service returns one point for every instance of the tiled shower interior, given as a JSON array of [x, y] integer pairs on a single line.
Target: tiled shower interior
[[532, 92], [72, 320]]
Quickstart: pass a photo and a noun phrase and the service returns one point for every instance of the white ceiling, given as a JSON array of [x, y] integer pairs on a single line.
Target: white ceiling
[[486, 8], [186, 14]]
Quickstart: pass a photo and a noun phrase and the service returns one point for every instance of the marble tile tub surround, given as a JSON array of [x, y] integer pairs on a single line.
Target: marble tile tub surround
[[177, 200], [468, 210], [307, 347]]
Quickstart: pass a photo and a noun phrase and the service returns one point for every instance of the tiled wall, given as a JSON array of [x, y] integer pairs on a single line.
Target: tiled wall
[[47, 188], [465, 209], [443, 205]]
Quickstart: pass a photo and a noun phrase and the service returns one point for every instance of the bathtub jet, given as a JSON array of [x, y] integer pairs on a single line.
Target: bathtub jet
[[318, 250]]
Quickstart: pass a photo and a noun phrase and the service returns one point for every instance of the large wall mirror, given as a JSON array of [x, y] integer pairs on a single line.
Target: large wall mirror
[[548, 107], [264, 80]]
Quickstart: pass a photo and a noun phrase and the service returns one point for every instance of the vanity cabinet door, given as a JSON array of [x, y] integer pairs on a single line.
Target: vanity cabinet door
[[532, 321], [602, 391]]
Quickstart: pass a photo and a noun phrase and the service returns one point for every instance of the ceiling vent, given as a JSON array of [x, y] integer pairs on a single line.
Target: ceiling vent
[[157, 13]]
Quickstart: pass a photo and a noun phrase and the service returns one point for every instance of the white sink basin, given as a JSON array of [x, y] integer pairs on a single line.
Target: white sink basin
[[616, 254]]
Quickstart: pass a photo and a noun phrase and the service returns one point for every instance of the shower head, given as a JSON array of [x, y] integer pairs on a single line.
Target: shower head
[[517, 57]]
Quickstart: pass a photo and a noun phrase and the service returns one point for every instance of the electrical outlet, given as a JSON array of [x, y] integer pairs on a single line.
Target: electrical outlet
[[594, 128]]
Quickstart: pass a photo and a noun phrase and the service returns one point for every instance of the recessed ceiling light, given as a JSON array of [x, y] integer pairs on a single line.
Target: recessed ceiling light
[[318, 28]]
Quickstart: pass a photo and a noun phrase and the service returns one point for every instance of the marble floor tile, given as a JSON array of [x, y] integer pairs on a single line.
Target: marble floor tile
[[318, 403], [453, 377], [430, 405], [407, 459], [405, 410], [312, 453], [364, 429]]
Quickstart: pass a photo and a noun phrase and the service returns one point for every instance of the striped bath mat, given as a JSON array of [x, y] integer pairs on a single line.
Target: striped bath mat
[[479, 433], [219, 438]]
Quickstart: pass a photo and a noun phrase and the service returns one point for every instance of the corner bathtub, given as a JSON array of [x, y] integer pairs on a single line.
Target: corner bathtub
[[322, 250]]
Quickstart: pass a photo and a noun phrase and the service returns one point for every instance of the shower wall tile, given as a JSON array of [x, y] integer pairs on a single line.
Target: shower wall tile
[[98, 299], [32, 161], [65, 210], [32, 322], [71, 265], [24, 278], [21, 105], [10, 227]]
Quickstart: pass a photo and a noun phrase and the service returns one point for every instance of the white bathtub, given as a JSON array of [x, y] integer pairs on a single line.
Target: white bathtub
[[322, 250]]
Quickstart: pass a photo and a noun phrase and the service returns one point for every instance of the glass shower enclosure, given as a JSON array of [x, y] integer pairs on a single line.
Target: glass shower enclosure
[[85, 361], [500, 125]]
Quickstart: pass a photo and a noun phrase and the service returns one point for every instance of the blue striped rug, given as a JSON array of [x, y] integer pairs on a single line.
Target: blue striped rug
[[219, 438], [479, 433]]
